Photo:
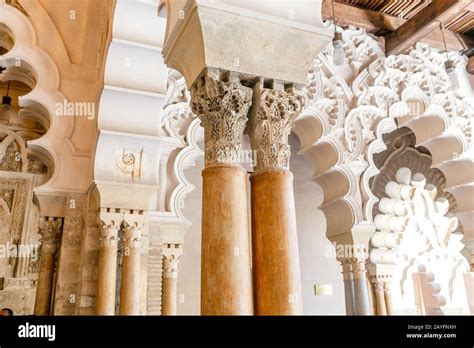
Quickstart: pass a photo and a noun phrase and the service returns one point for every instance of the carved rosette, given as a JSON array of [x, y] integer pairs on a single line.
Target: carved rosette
[[271, 122], [222, 108], [50, 232], [109, 234]]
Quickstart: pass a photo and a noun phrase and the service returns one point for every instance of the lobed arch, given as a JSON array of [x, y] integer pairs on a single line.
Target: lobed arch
[[179, 123], [24, 61]]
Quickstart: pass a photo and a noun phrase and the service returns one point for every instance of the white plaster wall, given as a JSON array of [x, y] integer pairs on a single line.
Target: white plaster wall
[[466, 82], [189, 276], [316, 267], [317, 262]]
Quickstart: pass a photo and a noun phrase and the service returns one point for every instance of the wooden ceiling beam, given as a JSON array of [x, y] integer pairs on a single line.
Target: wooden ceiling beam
[[380, 24], [423, 23], [348, 15]]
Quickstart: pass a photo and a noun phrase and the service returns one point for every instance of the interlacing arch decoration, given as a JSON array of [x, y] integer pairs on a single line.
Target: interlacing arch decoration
[[181, 127], [179, 123], [27, 63], [350, 110], [29, 136], [415, 235]]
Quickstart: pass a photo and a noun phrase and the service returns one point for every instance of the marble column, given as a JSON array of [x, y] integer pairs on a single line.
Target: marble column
[[130, 285], [348, 285], [171, 255], [107, 268], [361, 291], [277, 278], [50, 232], [222, 103]]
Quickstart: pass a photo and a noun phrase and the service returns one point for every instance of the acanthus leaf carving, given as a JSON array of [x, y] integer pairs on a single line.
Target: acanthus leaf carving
[[222, 108], [270, 124]]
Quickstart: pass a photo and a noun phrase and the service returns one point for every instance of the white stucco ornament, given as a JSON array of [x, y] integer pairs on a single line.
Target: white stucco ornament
[[416, 234]]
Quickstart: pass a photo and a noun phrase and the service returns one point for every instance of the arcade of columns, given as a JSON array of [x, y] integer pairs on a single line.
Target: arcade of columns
[[245, 268], [223, 103]]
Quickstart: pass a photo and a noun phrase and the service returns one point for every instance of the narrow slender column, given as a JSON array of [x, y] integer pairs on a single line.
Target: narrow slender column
[[130, 285], [348, 285], [171, 255], [361, 291], [277, 278], [372, 303], [107, 268], [388, 296], [226, 287], [380, 297], [154, 296], [381, 279], [50, 231]]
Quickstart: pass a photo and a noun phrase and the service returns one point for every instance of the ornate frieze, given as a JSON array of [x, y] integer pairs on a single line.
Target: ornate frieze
[[222, 108], [271, 120], [19, 283]]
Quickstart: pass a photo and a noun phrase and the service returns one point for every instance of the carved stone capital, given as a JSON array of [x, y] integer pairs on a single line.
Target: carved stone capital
[[50, 232], [271, 120], [132, 235], [381, 280], [109, 233], [358, 268], [379, 286], [346, 268], [171, 255], [222, 108]]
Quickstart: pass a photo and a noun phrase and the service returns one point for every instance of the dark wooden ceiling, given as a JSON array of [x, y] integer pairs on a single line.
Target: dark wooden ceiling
[[399, 8], [418, 20], [462, 22]]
